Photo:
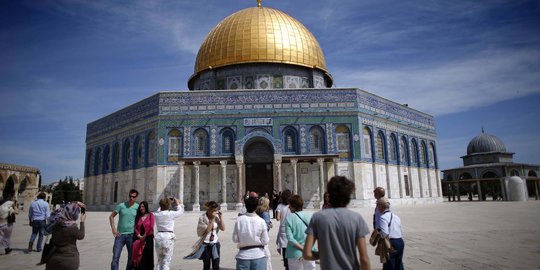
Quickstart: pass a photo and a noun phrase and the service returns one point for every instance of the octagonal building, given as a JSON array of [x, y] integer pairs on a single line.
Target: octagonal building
[[260, 115]]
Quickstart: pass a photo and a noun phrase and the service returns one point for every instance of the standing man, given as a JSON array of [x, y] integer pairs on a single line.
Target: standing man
[[251, 235], [38, 213], [378, 193], [123, 233], [390, 226], [340, 232]]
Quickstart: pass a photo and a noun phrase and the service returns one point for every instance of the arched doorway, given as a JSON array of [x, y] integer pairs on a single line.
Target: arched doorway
[[259, 158], [492, 188], [9, 188]]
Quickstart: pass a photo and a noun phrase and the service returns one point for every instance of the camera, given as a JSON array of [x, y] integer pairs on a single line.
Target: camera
[[83, 210]]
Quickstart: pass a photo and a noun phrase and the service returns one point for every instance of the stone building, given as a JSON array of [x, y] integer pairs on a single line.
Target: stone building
[[260, 114], [11, 178], [486, 171]]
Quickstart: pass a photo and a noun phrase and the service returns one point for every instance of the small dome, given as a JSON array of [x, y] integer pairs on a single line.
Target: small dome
[[260, 35], [485, 143]]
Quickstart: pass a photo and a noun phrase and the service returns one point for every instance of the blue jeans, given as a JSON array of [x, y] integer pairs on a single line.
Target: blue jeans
[[395, 262], [255, 264], [119, 242], [38, 227]]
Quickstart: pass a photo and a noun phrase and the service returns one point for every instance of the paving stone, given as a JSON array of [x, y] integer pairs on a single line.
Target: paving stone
[[466, 235]]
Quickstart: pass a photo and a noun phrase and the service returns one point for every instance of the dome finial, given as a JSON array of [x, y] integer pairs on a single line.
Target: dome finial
[[483, 130], [259, 3]]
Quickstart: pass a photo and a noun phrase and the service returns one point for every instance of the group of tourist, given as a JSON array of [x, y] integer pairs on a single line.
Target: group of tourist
[[339, 232]]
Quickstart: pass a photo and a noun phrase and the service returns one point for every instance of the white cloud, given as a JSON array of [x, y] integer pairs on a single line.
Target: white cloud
[[455, 86]]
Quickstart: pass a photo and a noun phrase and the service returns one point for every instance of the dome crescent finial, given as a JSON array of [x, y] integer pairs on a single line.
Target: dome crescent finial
[[259, 3]]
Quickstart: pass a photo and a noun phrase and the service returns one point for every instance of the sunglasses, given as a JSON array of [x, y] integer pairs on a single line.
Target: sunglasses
[[133, 196]]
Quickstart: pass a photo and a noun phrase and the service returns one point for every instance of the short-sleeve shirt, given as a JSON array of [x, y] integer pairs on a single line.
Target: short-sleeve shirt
[[126, 219], [336, 230]]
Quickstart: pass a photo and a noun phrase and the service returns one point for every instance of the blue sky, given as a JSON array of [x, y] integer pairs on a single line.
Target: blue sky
[[66, 63]]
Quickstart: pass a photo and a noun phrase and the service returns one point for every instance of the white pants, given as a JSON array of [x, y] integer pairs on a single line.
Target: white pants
[[268, 255], [164, 249], [300, 264]]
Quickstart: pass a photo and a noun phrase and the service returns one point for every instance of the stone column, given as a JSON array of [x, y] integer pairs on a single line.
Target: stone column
[[277, 175], [335, 160], [223, 184], [239, 184], [181, 181], [320, 161], [479, 189], [196, 205], [295, 176]]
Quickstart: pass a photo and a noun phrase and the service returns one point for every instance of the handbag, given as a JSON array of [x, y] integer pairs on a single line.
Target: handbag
[[47, 252], [11, 218]]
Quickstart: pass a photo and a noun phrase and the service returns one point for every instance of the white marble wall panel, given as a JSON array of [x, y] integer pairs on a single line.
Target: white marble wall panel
[[415, 181], [367, 173], [425, 185], [393, 189]]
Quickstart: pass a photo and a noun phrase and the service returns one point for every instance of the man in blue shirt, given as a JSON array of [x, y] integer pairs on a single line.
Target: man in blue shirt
[[38, 214]]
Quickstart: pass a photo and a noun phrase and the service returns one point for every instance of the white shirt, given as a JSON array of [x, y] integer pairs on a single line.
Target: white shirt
[[283, 211], [250, 230], [394, 231], [165, 219]]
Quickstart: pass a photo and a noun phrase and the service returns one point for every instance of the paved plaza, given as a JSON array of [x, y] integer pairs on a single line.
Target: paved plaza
[[465, 235]]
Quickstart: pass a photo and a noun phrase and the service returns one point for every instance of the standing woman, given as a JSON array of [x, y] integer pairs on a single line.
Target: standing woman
[[295, 227], [65, 233], [143, 242], [208, 247], [165, 236], [8, 210], [262, 211], [282, 211]]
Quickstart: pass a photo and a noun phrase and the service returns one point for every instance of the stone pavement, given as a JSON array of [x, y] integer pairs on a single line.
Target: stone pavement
[[465, 235]]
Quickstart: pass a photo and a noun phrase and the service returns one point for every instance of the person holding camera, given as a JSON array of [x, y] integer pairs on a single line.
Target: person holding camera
[[208, 247], [62, 224], [169, 210], [8, 209]]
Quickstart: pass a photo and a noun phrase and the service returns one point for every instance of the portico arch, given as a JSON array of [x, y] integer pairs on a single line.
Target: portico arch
[[259, 159], [9, 187]]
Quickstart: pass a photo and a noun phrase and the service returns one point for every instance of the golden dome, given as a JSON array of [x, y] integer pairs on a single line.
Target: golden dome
[[260, 35]]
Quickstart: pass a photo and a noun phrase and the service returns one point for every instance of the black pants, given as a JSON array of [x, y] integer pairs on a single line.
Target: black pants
[[285, 262], [207, 257]]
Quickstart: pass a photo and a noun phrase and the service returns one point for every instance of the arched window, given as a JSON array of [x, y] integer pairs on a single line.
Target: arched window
[[532, 173], [514, 173], [414, 151], [97, 162], [290, 138], [175, 142], [116, 157], [126, 155], [380, 146], [423, 153], [403, 151], [151, 148], [227, 141], [200, 140], [392, 151], [89, 162], [139, 152], [432, 155], [367, 142], [316, 139], [343, 141], [106, 159]]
